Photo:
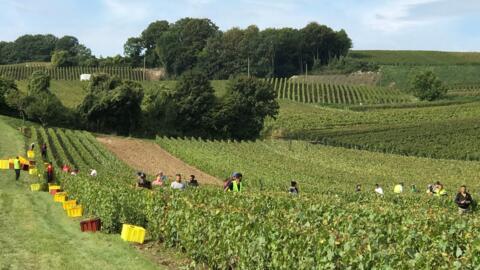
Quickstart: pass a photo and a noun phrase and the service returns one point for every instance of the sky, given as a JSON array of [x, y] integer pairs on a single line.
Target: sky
[[105, 25]]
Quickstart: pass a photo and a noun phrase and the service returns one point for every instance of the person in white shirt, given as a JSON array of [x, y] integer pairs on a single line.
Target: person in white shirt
[[378, 189], [93, 173], [178, 183]]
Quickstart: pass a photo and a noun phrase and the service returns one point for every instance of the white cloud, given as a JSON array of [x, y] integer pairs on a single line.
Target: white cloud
[[395, 15]]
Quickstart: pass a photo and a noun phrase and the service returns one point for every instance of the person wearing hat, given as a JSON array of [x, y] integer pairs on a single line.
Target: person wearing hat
[[293, 189], [236, 183], [142, 181]]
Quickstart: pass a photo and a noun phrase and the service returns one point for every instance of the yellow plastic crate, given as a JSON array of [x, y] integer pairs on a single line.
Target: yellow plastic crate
[[133, 233], [31, 154], [59, 198], [33, 171], [54, 187], [35, 187], [69, 204], [76, 211], [4, 165], [23, 160]]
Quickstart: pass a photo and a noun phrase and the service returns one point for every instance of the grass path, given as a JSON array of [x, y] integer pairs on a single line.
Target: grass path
[[35, 233]]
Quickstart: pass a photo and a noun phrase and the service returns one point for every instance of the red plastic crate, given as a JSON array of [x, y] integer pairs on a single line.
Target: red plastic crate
[[91, 225], [54, 191]]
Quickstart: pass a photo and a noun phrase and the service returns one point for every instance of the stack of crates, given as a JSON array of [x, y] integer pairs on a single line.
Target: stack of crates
[[35, 187]]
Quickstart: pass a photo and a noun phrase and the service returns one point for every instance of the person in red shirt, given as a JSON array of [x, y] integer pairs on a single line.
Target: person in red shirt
[[66, 168], [50, 172]]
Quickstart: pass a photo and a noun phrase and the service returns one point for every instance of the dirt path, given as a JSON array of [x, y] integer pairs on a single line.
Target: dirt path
[[151, 158]]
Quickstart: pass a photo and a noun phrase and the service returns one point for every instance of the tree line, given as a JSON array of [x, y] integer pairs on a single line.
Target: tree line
[[198, 43], [192, 43], [123, 107]]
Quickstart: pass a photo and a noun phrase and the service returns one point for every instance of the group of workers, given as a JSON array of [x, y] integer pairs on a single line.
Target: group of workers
[[161, 180], [463, 199]]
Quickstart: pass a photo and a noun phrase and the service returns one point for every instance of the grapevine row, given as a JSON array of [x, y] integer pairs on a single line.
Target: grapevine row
[[69, 73]]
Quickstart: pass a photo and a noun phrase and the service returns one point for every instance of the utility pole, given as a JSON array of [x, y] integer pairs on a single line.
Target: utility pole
[[144, 63], [306, 70]]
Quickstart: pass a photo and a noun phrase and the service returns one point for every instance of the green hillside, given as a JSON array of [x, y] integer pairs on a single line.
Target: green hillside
[[450, 131], [321, 93], [386, 57]]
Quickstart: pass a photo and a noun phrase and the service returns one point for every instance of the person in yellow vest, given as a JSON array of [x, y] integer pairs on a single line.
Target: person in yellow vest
[[17, 167], [398, 188], [236, 183], [440, 191]]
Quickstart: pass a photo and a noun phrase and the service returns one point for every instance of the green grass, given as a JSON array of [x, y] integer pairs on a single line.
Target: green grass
[[451, 75], [36, 234], [71, 93], [387, 57]]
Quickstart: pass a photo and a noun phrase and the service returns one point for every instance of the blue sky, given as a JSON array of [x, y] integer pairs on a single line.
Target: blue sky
[[105, 25]]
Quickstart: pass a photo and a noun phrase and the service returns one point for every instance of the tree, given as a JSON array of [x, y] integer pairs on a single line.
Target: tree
[[39, 82], [7, 87], [244, 108], [194, 101], [68, 44], [179, 47], [62, 59], [112, 104], [133, 49], [427, 86], [40, 104]]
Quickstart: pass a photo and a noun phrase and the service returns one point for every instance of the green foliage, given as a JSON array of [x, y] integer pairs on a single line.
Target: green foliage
[[427, 86], [39, 82], [245, 106], [326, 227], [62, 59], [194, 102], [112, 104], [8, 89], [409, 131]]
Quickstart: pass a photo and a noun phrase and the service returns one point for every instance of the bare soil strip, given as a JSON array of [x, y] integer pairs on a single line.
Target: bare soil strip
[[151, 158]]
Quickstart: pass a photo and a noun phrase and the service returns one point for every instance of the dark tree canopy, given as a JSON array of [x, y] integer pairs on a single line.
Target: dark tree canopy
[[244, 108], [112, 104], [194, 101], [197, 43]]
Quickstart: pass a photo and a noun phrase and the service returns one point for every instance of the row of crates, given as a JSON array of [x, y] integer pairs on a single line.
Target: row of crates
[[130, 233]]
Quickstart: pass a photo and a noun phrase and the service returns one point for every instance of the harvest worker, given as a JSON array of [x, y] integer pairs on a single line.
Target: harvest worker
[[398, 188], [142, 181], [378, 189], [43, 149], [32, 146], [226, 183], [440, 191], [463, 200], [160, 180], [17, 168], [50, 172], [66, 168], [358, 188], [236, 184], [293, 190], [430, 189], [178, 183], [93, 173], [193, 182]]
